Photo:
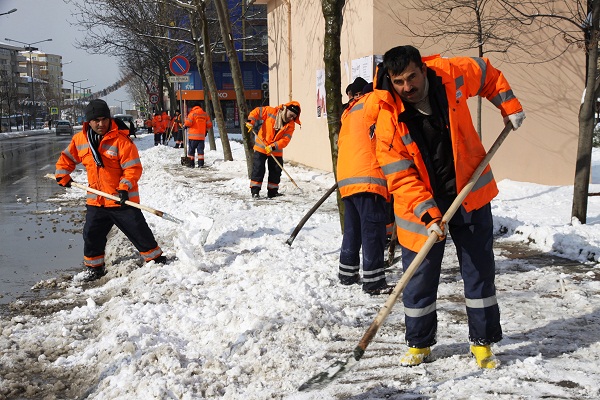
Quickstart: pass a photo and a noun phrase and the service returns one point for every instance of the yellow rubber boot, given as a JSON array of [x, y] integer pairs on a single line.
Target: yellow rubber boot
[[415, 356], [484, 356]]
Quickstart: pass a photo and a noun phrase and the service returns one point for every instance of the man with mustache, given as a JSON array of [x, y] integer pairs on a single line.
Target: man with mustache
[[428, 150]]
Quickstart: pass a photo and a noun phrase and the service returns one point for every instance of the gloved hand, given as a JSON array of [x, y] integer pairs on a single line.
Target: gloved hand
[[123, 197], [438, 227], [269, 149], [249, 126], [64, 181], [516, 119]]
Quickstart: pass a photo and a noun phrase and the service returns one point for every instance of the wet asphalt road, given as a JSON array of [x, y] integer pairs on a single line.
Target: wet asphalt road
[[38, 239]]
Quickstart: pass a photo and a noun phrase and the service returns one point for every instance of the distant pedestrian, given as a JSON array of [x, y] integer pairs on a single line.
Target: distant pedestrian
[[166, 122], [113, 166], [148, 124], [159, 128], [197, 122], [273, 127], [176, 129]]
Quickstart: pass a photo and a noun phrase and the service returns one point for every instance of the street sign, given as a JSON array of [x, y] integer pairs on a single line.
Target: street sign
[[154, 98], [179, 78], [179, 65], [53, 110]]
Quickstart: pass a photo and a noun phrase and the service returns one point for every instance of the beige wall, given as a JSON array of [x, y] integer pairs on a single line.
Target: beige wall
[[543, 150]]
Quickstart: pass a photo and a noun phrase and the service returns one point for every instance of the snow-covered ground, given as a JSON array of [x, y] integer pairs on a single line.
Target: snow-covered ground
[[248, 317]]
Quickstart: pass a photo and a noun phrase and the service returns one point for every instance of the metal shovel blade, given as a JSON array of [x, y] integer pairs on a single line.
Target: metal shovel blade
[[171, 218], [334, 371]]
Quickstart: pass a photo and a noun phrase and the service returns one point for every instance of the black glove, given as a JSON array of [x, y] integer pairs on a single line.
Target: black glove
[[64, 181], [123, 197]]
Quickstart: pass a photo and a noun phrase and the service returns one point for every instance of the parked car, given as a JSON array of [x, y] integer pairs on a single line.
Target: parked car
[[63, 126]]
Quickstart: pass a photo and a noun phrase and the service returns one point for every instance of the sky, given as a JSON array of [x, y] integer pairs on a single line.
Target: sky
[[239, 314], [37, 20]]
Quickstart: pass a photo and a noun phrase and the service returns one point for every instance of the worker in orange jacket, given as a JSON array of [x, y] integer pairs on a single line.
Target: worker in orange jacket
[[363, 189], [159, 127], [273, 127], [176, 129], [428, 149], [149, 124], [198, 122], [166, 123], [113, 166]]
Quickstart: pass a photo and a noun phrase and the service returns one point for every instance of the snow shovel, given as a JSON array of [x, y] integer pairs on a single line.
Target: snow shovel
[[339, 367], [129, 203], [309, 214]]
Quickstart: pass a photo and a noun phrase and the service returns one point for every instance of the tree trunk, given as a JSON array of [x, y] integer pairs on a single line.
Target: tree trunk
[[236, 73], [210, 133], [210, 86], [332, 12], [586, 123]]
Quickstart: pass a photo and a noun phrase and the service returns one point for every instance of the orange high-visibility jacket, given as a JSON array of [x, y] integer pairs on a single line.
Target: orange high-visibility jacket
[[263, 121], [357, 168], [166, 121], [401, 160], [176, 123], [148, 123], [198, 123], [122, 166], [158, 124]]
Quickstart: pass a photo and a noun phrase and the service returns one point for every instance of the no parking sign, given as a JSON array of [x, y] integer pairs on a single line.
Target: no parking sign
[[179, 65]]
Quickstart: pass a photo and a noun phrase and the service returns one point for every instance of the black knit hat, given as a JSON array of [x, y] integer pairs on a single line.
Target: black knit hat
[[295, 109], [95, 109], [358, 85]]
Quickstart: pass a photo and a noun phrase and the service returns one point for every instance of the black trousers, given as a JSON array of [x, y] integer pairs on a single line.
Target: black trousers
[[472, 234], [364, 226], [130, 220], [258, 172]]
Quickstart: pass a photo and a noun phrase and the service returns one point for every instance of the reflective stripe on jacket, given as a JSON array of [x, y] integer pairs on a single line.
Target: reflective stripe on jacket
[[401, 160], [198, 123], [357, 168], [122, 166], [263, 120]]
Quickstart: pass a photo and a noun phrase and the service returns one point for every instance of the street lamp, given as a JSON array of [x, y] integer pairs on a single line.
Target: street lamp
[[28, 47], [9, 12], [73, 94], [121, 101]]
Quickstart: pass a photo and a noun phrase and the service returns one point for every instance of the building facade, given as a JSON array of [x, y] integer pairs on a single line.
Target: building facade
[[543, 150], [13, 88]]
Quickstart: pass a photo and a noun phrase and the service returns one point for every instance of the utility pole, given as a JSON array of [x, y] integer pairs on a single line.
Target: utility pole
[[73, 97], [121, 107]]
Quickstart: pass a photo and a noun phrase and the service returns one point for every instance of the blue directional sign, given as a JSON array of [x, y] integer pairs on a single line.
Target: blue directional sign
[[179, 65]]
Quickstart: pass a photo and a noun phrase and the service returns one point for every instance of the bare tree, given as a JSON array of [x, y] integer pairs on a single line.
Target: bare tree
[[205, 63], [333, 14], [115, 30], [236, 73], [463, 25], [576, 24], [8, 95]]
